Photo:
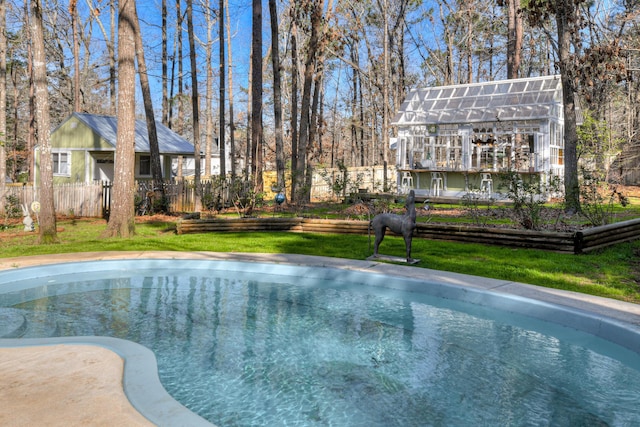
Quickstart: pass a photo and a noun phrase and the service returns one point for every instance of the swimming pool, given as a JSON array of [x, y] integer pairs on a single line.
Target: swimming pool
[[258, 343]]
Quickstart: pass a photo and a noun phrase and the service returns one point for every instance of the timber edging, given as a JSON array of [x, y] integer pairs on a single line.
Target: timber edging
[[578, 242], [591, 239]]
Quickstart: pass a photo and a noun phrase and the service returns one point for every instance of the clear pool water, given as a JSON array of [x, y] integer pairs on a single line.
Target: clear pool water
[[273, 347]]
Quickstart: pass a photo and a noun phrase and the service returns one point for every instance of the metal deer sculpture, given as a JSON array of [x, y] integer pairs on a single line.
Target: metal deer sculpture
[[399, 224]]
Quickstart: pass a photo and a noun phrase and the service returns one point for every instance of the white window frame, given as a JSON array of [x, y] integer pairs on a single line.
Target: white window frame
[[56, 165]]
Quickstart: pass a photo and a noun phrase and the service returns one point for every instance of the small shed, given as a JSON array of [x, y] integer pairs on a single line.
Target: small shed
[[84, 145], [456, 139]]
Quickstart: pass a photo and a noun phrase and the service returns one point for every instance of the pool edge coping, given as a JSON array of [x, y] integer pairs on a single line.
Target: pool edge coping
[[610, 308]]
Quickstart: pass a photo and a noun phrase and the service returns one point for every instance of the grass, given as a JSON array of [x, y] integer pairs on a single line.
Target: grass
[[612, 273]]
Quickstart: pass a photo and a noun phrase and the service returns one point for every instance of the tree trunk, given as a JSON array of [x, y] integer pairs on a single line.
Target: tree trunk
[[470, 42], [305, 109], [514, 39], [121, 219], [13, 72], [113, 60], [165, 71], [248, 156], [47, 216], [31, 134], [73, 12], [156, 167], [354, 107], [256, 96], [208, 108], [294, 107], [566, 12], [221, 133], [277, 94], [232, 127], [449, 40], [361, 120], [314, 129], [3, 103], [385, 95], [195, 106], [178, 58]]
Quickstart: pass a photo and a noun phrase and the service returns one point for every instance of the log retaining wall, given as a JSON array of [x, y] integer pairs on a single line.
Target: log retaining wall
[[582, 241]]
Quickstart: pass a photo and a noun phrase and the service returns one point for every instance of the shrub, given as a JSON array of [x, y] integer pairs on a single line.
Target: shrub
[[598, 198], [528, 195]]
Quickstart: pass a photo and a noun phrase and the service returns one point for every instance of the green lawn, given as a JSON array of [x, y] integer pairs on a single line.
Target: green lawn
[[613, 273]]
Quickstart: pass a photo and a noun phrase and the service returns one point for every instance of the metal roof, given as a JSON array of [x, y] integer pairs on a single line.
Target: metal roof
[[515, 99], [169, 142]]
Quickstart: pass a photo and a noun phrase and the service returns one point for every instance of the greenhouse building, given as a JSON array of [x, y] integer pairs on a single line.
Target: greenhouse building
[[459, 140]]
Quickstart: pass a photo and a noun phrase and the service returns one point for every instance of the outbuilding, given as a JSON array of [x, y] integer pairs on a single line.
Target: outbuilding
[[83, 149], [460, 139]]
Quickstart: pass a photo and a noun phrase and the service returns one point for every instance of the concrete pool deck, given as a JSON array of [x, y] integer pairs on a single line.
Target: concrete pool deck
[[65, 385], [85, 376]]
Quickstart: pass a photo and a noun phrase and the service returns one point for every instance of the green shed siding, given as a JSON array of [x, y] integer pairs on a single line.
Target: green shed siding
[[90, 142], [77, 171], [75, 134]]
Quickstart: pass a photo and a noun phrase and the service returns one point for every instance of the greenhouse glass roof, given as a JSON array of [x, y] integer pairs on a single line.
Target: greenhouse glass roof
[[515, 99]]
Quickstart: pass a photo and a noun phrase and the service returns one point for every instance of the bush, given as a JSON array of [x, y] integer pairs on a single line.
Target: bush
[[528, 195], [598, 198], [12, 207], [245, 198], [474, 205]]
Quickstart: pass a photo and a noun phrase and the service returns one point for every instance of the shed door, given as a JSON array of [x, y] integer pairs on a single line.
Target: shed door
[[103, 167]]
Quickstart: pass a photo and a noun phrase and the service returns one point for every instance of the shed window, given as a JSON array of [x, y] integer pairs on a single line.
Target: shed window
[[145, 165], [61, 163]]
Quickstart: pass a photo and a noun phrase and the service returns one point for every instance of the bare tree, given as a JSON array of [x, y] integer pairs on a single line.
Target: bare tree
[[177, 57], [232, 143], [208, 108], [121, 218], [305, 108], [256, 96], [165, 71], [567, 19], [47, 216], [514, 37], [277, 94], [385, 90], [294, 104], [3, 102], [221, 131], [31, 134], [152, 132], [109, 40], [73, 12], [195, 106]]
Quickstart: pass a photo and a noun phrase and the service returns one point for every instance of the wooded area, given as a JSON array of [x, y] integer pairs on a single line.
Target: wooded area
[[318, 83]]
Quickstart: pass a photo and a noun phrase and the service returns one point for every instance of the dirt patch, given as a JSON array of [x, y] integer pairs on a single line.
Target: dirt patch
[[629, 191]]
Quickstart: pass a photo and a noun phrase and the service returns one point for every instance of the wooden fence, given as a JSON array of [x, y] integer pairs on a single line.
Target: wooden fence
[[94, 199], [583, 241], [78, 199]]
